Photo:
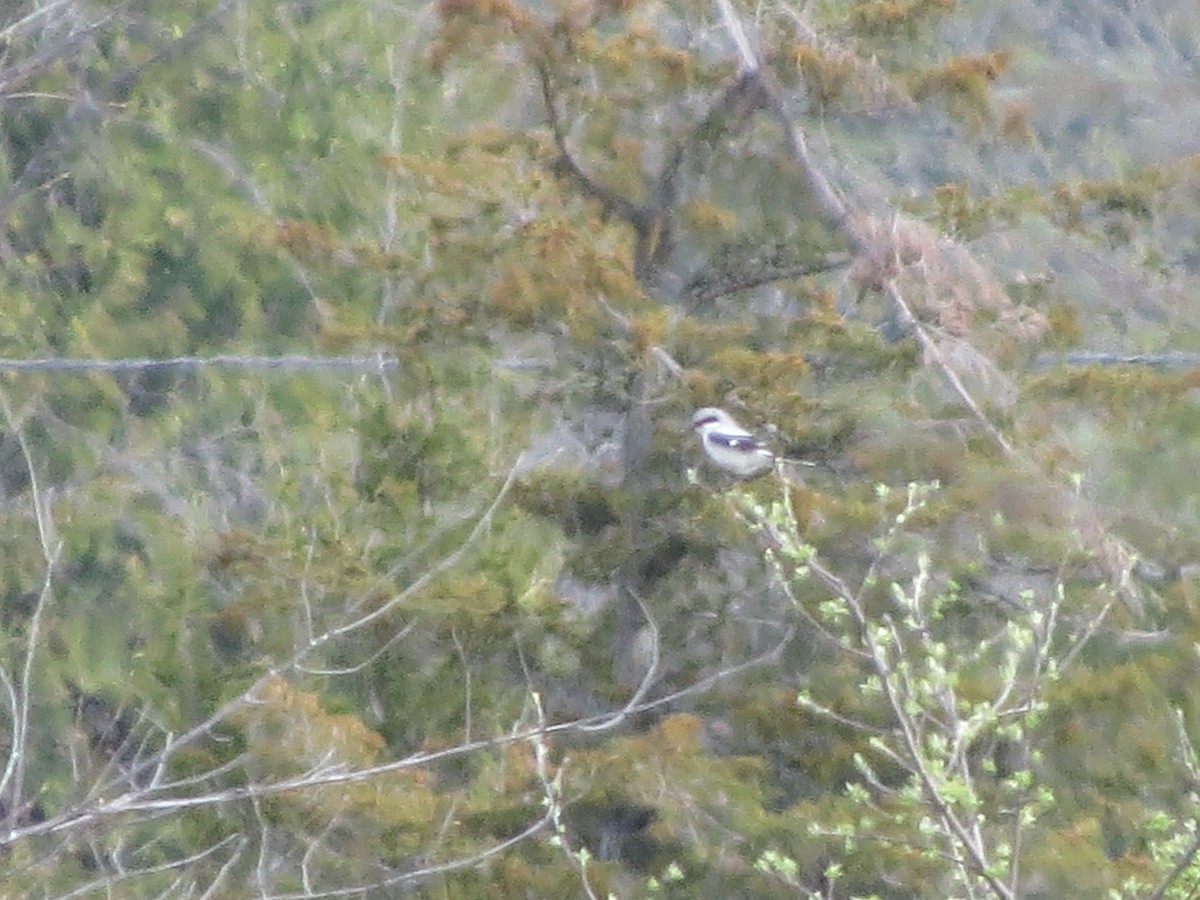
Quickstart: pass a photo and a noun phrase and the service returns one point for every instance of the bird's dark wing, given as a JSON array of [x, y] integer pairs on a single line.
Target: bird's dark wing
[[743, 442]]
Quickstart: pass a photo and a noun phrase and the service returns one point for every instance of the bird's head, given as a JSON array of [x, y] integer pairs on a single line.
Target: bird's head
[[710, 415]]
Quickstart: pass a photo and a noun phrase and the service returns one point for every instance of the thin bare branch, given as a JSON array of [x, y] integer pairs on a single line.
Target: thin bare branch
[[1178, 360], [12, 782], [107, 883], [378, 363], [647, 680]]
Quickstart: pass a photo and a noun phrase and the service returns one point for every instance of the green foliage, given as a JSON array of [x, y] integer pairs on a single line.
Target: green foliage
[[477, 623]]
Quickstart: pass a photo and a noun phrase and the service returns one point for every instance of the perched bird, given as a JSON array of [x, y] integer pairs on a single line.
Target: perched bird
[[729, 446]]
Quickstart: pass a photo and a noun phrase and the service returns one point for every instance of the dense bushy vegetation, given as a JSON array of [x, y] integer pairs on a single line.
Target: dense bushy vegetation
[[354, 537]]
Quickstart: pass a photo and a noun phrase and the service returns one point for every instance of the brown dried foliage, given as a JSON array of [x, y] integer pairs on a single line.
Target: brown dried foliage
[[940, 278]]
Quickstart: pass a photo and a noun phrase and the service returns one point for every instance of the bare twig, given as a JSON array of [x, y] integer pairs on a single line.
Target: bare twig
[[377, 363], [13, 779], [1095, 358], [647, 680], [108, 882]]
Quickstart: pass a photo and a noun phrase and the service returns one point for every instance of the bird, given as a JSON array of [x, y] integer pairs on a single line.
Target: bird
[[729, 446]]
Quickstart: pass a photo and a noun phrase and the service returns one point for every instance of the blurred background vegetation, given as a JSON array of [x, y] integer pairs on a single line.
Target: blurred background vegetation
[[382, 559]]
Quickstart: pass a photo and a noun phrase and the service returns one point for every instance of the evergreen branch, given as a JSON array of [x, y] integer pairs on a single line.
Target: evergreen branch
[[612, 202], [1118, 558], [49, 53], [154, 800], [87, 109], [742, 274], [151, 799], [653, 221]]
